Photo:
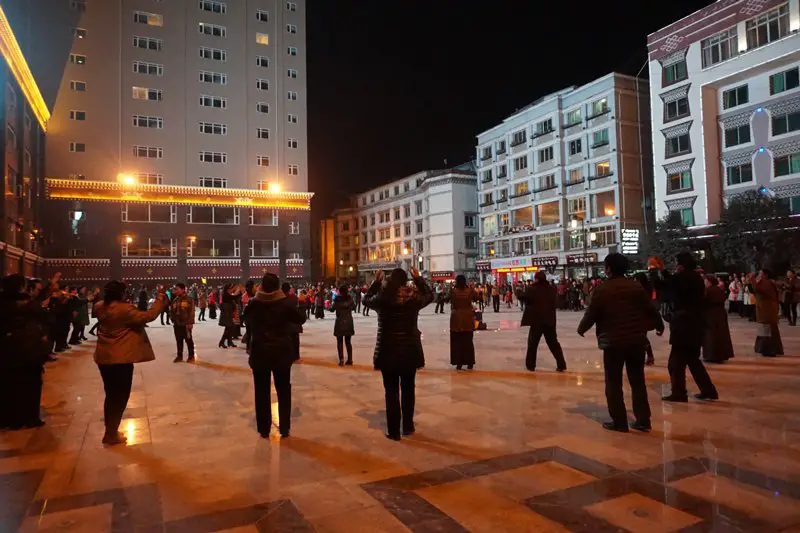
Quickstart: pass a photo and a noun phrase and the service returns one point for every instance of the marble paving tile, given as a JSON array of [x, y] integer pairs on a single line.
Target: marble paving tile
[[97, 518], [634, 512]]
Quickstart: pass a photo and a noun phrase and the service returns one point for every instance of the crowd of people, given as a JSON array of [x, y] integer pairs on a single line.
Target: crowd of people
[[267, 318]]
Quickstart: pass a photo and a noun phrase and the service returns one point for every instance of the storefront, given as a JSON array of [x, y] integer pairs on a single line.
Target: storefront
[[514, 269], [446, 276], [581, 265], [483, 268]]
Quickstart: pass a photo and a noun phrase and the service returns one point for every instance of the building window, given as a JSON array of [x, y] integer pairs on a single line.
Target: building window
[[784, 81], [212, 247], [546, 155], [150, 178], [291, 96], [720, 47], [679, 182], [264, 248], [294, 228], [216, 183], [77, 86], [291, 119], [77, 59], [262, 107], [739, 174], [148, 43], [520, 163], [291, 73], [602, 168], [406, 211], [576, 208], [686, 216], [213, 157], [262, 16], [215, 54], [599, 107], [418, 227], [151, 19], [213, 7], [262, 133], [213, 215], [737, 135], [546, 182], [217, 78], [544, 127], [768, 27], [142, 121], [407, 229], [150, 213], [470, 221], [573, 118], [262, 61], [396, 213], [518, 138], [291, 6], [213, 128], [263, 217], [548, 242], [575, 147], [213, 101], [735, 97], [262, 84], [787, 164], [291, 28], [77, 252], [418, 207], [151, 69], [785, 123], [148, 152], [291, 50], [676, 109], [575, 176], [78, 5], [471, 242], [262, 161], [143, 93], [291, 143], [79, 33], [600, 138], [77, 147], [293, 170], [77, 115], [262, 38], [215, 30], [674, 73], [678, 145]]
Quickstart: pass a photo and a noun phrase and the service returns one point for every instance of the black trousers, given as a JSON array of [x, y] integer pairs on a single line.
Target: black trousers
[[165, 313], [551, 338], [496, 303], [358, 306], [632, 358], [117, 381], [295, 344], [283, 386], [681, 357], [227, 335], [341, 342], [439, 306], [183, 333], [202, 315], [400, 392], [77, 333]]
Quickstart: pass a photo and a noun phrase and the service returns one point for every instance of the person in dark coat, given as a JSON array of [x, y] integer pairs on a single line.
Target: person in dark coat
[[462, 324], [80, 317], [142, 304], [644, 281], [271, 318], [623, 313], [717, 345], [540, 314], [296, 330], [344, 328], [229, 317], [768, 340], [398, 345], [319, 304], [686, 292]]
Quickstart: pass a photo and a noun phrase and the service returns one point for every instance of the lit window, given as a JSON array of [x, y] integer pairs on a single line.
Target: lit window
[[77, 59], [262, 38], [151, 19], [79, 33], [262, 160], [143, 93]]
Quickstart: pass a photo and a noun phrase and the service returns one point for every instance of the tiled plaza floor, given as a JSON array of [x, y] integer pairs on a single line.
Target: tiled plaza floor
[[497, 449]]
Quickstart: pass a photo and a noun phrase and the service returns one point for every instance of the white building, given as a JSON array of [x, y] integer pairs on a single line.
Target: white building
[[427, 220], [561, 178], [725, 98]]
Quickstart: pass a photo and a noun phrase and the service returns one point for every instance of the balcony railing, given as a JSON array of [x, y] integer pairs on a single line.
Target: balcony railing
[[486, 157], [573, 124], [502, 199], [547, 188], [601, 176], [501, 151], [487, 180], [542, 133], [576, 182], [518, 142], [600, 144], [486, 204], [520, 194], [599, 114]]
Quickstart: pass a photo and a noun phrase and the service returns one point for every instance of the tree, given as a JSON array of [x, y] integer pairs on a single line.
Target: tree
[[670, 237], [755, 231]]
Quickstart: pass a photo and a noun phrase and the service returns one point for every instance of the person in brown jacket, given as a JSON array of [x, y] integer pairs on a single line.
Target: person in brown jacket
[[121, 342], [768, 341], [181, 311], [540, 314], [623, 313], [462, 324]]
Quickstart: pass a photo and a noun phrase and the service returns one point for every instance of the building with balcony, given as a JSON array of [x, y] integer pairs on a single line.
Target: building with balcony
[[559, 180], [427, 220], [177, 144], [725, 99]]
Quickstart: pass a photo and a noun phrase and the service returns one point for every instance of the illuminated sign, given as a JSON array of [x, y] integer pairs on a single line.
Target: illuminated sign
[[630, 241]]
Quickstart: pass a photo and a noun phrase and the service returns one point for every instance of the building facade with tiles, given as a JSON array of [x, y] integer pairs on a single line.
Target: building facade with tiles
[[559, 180], [725, 99], [177, 144], [427, 220]]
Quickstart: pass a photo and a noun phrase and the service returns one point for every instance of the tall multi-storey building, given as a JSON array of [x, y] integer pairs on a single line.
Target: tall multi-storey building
[[561, 179], [178, 142], [725, 98], [427, 220]]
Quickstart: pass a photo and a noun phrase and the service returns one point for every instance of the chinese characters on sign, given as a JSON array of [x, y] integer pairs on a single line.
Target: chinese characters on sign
[[630, 241]]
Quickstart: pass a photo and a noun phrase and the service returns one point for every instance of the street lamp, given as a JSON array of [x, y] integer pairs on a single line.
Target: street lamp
[[126, 179]]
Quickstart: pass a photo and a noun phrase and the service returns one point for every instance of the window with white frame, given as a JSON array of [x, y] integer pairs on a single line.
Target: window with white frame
[[737, 135], [262, 15], [604, 236], [145, 93], [219, 102], [575, 176], [548, 242], [262, 160], [678, 145], [262, 107], [599, 107], [213, 128], [217, 78], [224, 216], [212, 6], [470, 221], [735, 97], [77, 115], [291, 119], [291, 96], [262, 133], [216, 183], [167, 214], [738, 174], [518, 138], [406, 211], [150, 178], [291, 73], [786, 165], [293, 170], [547, 182], [262, 84], [150, 247], [148, 152], [212, 247], [720, 47], [143, 121], [544, 127], [264, 248], [574, 117], [263, 217], [546, 154], [679, 181], [418, 227], [291, 6], [575, 147], [151, 69], [213, 157], [77, 59], [676, 109], [291, 143], [214, 54], [151, 19], [291, 28], [602, 168], [576, 208], [262, 38], [600, 138], [520, 163], [784, 81], [768, 27], [291, 50], [77, 86], [262, 61], [77, 147], [148, 43], [215, 30], [418, 207], [785, 123], [294, 228]]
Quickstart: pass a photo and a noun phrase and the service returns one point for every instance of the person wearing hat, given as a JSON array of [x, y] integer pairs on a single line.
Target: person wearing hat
[[121, 342], [272, 320]]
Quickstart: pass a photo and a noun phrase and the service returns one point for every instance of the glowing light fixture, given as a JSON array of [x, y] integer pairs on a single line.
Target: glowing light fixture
[[77, 215], [126, 179], [12, 53], [275, 187], [761, 150], [610, 211], [128, 239], [405, 251], [341, 261]]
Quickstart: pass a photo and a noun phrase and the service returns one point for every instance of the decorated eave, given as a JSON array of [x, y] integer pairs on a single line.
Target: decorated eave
[[115, 191]]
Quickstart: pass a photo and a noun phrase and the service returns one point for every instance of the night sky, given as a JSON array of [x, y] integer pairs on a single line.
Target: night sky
[[396, 87]]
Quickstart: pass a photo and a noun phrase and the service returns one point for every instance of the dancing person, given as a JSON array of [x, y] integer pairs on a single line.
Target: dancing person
[[165, 311], [717, 345], [344, 328], [212, 303], [440, 297], [768, 341], [792, 297], [229, 317], [319, 304], [181, 310], [623, 312], [121, 342], [295, 329], [270, 318], [398, 345], [462, 324], [202, 303], [644, 281], [540, 314], [80, 317]]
